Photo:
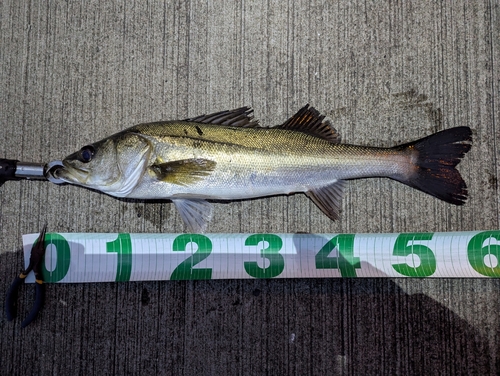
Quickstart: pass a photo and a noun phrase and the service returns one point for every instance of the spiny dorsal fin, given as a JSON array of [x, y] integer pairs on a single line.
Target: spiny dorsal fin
[[183, 172], [309, 120], [240, 117], [328, 198]]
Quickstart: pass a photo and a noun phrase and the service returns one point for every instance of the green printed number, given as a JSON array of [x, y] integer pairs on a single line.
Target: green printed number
[[271, 253], [123, 247], [62, 261], [185, 270], [404, 247], [345, 262], [478, 253]]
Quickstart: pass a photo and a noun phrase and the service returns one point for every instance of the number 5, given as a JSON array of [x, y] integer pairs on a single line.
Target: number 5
[[404, 246]]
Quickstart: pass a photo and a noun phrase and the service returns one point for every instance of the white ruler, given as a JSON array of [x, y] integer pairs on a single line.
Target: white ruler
[[82, 257]]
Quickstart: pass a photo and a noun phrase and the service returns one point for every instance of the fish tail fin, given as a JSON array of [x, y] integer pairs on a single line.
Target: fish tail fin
[[434, 160]]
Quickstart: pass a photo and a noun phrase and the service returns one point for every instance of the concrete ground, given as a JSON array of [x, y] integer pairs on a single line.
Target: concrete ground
[[384, 72]]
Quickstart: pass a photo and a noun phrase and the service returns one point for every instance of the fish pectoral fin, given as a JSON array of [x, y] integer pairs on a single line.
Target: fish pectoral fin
[[309, 120], [240, 117], [183, 172], [195, 213], [328, 198]]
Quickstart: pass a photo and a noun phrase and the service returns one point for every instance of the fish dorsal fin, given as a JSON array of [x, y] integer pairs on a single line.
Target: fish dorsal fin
[[328, 198], [240, 117], [183, 172], [310, 121]]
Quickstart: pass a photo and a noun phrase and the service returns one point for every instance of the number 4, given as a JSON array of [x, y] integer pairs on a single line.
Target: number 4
[[345, 261]]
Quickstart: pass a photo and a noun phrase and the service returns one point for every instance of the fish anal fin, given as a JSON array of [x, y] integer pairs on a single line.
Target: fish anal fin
[[239, 117], [309, 120], [195, 213], [183, 172], [328, 198]]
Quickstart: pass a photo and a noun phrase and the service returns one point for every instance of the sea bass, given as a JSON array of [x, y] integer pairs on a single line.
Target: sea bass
[[228, 156]]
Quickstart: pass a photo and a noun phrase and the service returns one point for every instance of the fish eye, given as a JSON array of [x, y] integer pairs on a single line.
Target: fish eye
[[86, 154]]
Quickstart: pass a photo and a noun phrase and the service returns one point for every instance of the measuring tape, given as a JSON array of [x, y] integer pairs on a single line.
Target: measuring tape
[[82, 257]]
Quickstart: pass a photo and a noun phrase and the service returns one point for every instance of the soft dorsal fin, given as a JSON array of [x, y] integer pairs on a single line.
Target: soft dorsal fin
[[240, 117], [309, 120]]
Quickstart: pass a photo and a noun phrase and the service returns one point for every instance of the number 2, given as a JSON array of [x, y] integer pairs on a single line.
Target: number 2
[[185, 270]]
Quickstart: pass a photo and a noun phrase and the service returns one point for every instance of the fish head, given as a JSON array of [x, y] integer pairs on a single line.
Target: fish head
[[114, 165]]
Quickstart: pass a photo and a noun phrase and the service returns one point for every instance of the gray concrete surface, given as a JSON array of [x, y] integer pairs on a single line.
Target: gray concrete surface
[[73, 72]]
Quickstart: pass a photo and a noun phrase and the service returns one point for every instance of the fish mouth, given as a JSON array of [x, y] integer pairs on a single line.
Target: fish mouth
[[70, 174]]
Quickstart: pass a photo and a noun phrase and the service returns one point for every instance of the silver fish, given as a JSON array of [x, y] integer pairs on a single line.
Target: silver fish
[[228, 156]]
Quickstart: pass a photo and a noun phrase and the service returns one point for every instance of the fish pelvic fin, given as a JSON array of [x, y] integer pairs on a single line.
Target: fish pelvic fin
[[434, 160], [183, 172], [309, 120], [195, 213], [328, 198]]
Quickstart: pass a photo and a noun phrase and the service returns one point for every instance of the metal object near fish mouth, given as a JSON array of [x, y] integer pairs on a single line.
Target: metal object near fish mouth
[[11, 169], [51, 169]]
